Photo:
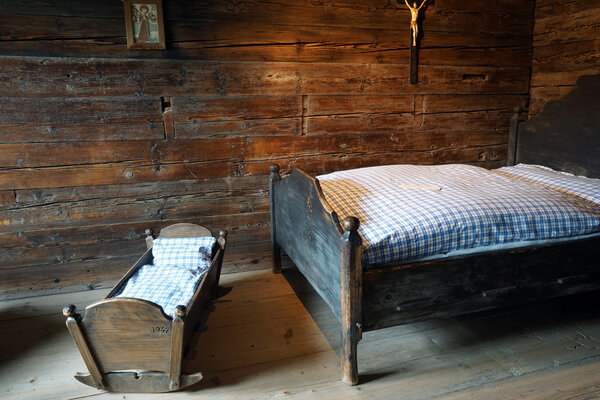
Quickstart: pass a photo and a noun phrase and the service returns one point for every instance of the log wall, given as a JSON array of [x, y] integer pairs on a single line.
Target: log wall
[[98, 142], [566, 45]]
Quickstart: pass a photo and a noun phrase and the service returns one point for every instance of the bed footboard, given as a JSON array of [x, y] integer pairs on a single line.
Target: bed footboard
[[308, 230]]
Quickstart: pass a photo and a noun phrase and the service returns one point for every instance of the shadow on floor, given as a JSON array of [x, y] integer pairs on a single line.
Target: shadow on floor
[[253, 331], [21, 333], [488, 324], [551, 321]]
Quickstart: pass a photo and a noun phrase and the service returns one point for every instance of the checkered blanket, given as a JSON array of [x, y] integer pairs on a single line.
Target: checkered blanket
[[178, 268], [409, 212], [581, 186]]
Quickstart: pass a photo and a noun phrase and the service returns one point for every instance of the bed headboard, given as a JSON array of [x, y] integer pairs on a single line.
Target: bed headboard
[[565, 135]]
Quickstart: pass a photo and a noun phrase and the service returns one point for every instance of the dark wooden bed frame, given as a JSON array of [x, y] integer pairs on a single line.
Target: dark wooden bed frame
[[564, 136], [131, 345]]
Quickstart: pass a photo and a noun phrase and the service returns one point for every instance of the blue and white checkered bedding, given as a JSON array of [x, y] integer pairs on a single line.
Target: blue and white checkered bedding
[[178, 268], [192, 253], [586, 188], [411, 212]]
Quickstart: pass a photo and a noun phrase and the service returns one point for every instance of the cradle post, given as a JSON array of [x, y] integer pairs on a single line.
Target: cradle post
[[176, 348], [351, 301], [274, 178], [75, 330], [149, 238]]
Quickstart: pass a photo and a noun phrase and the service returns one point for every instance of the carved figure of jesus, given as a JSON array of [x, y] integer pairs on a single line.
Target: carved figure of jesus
[[414, 14]]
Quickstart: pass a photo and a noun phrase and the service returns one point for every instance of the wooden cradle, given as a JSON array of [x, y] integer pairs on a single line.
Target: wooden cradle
[[131, 345], [565, 136]]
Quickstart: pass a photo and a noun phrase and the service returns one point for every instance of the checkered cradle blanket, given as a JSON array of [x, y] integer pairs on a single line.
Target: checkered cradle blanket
[[409, 212], [178, 268]]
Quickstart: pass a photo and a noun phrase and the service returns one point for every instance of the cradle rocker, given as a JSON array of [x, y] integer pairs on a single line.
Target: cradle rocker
[[131, 345]]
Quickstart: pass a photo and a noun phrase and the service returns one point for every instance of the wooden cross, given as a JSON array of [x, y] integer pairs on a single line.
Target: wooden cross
[[414, 29]]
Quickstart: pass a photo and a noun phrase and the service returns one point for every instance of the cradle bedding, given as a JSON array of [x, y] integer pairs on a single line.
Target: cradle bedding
[[410, 212], [178, 267], [191, 253]]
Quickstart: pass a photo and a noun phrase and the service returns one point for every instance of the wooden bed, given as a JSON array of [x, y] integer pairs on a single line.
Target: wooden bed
[[131, 345], [564, 136]]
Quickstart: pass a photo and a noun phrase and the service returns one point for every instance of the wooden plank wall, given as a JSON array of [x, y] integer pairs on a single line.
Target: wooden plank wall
[[566, 45], [98, 142]]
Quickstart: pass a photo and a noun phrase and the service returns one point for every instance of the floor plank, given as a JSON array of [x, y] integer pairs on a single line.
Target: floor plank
[[47, 305], [574, 384], [264, 340]]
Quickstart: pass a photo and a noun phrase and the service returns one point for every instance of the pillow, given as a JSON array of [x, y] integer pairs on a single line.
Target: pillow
[[191, 253], [586, 188]]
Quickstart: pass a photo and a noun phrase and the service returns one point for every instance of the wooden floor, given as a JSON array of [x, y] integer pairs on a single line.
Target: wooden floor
[[263, 342]]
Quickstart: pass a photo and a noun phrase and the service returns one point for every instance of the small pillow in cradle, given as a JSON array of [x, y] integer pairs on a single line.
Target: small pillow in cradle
[[190, 253]]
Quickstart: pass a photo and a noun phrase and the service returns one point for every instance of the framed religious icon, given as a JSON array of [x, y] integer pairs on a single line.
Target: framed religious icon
[[144, 24]]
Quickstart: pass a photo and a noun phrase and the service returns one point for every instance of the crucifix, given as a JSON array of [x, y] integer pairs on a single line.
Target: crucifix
[[414, 28]]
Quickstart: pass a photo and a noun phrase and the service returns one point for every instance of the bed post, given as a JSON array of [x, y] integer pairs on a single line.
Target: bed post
[[351, 301], [511, 155], [274, 179], [222, 240]]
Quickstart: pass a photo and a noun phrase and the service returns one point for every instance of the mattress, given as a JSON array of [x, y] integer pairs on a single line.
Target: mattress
[[410, 213]]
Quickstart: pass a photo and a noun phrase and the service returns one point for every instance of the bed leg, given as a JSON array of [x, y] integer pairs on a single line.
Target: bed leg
[[276, 255], [351, 313], [176, 348], [75, 330], [274, 178]]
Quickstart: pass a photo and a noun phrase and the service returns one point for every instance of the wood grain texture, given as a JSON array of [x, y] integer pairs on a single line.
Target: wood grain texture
[[75, 329], [98, 142], [51, 77], [144, 382], [184, 230], [199, 306], [542, 139], [7, 197], [264, 341], [176, 355], [129, 334], [118, 334], [58, 119], [414, 292], [565, 47], [274, 179], [309, 231], [259, 30], [562, 137], [63, 245], [351, 299], [114, 162]]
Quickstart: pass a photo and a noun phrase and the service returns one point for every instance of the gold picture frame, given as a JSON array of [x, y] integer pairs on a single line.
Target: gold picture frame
[[144, 24]]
